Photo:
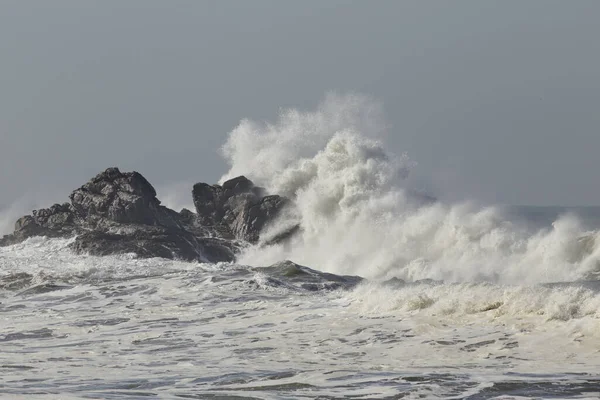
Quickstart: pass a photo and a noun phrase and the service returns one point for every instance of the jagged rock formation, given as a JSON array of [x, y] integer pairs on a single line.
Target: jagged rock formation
[[239, 205], [119, 212], [56, 221], [126, 198]]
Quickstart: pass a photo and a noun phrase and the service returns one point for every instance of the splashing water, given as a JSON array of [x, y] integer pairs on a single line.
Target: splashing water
[[357, 218], [77, 326]]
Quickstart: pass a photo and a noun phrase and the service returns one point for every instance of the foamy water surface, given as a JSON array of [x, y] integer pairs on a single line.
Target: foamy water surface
[[117, 327]]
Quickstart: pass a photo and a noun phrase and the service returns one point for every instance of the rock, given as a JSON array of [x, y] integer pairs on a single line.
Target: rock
[[113, 196], [241, 186], [187, 217], [118, 212], [251, 217], [207, 201], [194, 223], [239, 205], [155, 242], [56, 221]]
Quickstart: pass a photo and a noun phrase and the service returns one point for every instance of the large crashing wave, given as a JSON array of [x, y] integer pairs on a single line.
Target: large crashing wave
[[357, 218]]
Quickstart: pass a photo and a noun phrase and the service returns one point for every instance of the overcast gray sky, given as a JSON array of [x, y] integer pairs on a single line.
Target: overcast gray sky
[[495, 100]]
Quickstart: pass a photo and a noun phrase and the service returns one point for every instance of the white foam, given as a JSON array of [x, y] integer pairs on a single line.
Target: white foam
[[357, 218], [52, 257], [216, 333]]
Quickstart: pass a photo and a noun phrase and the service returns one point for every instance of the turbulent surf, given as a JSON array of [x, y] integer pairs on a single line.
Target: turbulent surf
[[313, 270]]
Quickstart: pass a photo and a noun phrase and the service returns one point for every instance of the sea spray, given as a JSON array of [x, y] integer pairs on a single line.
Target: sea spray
[[357, 217], [192, 330]]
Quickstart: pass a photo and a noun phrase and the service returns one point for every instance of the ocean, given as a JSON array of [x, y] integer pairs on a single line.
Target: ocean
[[390, 297]]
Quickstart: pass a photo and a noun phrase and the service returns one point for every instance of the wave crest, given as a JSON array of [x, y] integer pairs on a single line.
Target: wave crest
[[358, 218]]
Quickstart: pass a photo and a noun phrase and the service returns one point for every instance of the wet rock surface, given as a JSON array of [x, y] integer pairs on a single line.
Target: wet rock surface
[[238, 206], [118, 212]]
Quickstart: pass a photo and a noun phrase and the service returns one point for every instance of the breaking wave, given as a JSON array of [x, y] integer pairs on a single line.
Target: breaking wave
[[358, 217]]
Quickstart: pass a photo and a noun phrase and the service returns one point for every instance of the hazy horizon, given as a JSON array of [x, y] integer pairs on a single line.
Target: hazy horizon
[[495, 101]]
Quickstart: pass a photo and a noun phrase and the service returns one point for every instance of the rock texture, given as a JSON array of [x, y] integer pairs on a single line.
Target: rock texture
[[116, 197], [118, 212], [56, 221], [238, 205]]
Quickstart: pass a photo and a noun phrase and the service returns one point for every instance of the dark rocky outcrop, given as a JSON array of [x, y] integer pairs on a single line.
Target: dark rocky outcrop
[[155, 242], [56, 221], [118, 212], [239, 205], [116, 197]]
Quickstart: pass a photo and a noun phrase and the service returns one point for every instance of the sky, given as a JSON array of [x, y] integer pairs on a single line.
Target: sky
[[497, 101]]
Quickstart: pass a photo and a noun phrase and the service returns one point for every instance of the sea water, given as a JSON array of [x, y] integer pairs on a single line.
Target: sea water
[[458, 301]]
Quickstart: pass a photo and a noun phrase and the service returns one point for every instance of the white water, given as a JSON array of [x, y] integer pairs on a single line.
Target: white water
[[489, 326], [358, 219], [117, 327]]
